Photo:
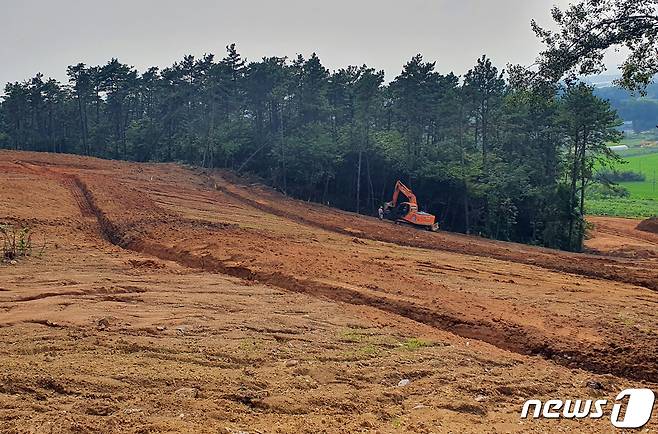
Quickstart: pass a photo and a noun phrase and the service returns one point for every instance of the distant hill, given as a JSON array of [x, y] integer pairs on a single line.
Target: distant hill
[[640, 112]]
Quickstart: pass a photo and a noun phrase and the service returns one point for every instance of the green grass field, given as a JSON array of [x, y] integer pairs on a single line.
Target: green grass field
[[627, 207], [646, 165], [643, 200]]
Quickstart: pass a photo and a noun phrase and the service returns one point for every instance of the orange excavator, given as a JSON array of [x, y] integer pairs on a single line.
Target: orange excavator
[[407, 212]]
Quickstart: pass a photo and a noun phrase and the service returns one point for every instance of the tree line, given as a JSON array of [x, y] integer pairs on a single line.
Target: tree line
[[492, 153]]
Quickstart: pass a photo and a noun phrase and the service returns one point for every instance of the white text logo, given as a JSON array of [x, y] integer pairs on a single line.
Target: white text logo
[[637, 410]]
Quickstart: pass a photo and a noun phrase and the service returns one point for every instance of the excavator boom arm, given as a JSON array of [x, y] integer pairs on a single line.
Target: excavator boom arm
[[401, 188]]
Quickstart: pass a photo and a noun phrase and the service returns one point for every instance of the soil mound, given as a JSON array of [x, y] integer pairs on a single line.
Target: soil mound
[[649, 225]]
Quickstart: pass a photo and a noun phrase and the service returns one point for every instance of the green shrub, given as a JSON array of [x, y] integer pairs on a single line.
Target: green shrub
[[16, 242], [606, 191], [614, 176]]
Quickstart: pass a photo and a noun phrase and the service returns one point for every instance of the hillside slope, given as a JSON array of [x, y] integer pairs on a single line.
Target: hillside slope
[[175, 298]]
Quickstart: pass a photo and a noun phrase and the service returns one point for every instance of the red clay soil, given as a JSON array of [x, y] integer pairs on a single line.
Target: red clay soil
[[620, 237], [176, 299], [351, 224]]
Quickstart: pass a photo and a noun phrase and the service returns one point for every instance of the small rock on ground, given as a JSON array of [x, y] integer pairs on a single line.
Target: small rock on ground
[[187, 392]]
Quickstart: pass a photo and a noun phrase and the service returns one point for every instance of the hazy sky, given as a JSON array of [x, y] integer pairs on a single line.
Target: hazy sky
[[47, 35]]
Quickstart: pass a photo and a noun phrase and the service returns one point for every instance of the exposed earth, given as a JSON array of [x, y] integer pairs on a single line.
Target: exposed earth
[[161, 298], [623, 237], [649, 225]]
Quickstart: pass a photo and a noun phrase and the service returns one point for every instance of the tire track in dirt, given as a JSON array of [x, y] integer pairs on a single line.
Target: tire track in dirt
[[564, 262], [510, 337], [94, 292], [70, 182], [43, 295]]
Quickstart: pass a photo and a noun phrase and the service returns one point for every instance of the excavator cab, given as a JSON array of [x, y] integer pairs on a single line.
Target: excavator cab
[[407, 212]]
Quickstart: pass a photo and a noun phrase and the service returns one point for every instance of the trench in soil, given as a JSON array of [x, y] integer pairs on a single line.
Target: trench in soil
[[508, 337], [603, 271]]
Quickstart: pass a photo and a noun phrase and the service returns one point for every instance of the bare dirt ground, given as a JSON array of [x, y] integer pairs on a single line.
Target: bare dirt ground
[[174, 299], [649, 225], [621, 237]]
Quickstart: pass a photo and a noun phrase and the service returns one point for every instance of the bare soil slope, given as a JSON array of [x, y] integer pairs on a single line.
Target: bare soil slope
[[649, 225], [174, 299], [622, 237]]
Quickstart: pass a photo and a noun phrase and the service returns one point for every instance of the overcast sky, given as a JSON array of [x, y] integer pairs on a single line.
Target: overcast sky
[[46, 36]]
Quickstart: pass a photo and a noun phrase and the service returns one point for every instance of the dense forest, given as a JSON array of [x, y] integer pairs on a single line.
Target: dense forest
[[487, 152]]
